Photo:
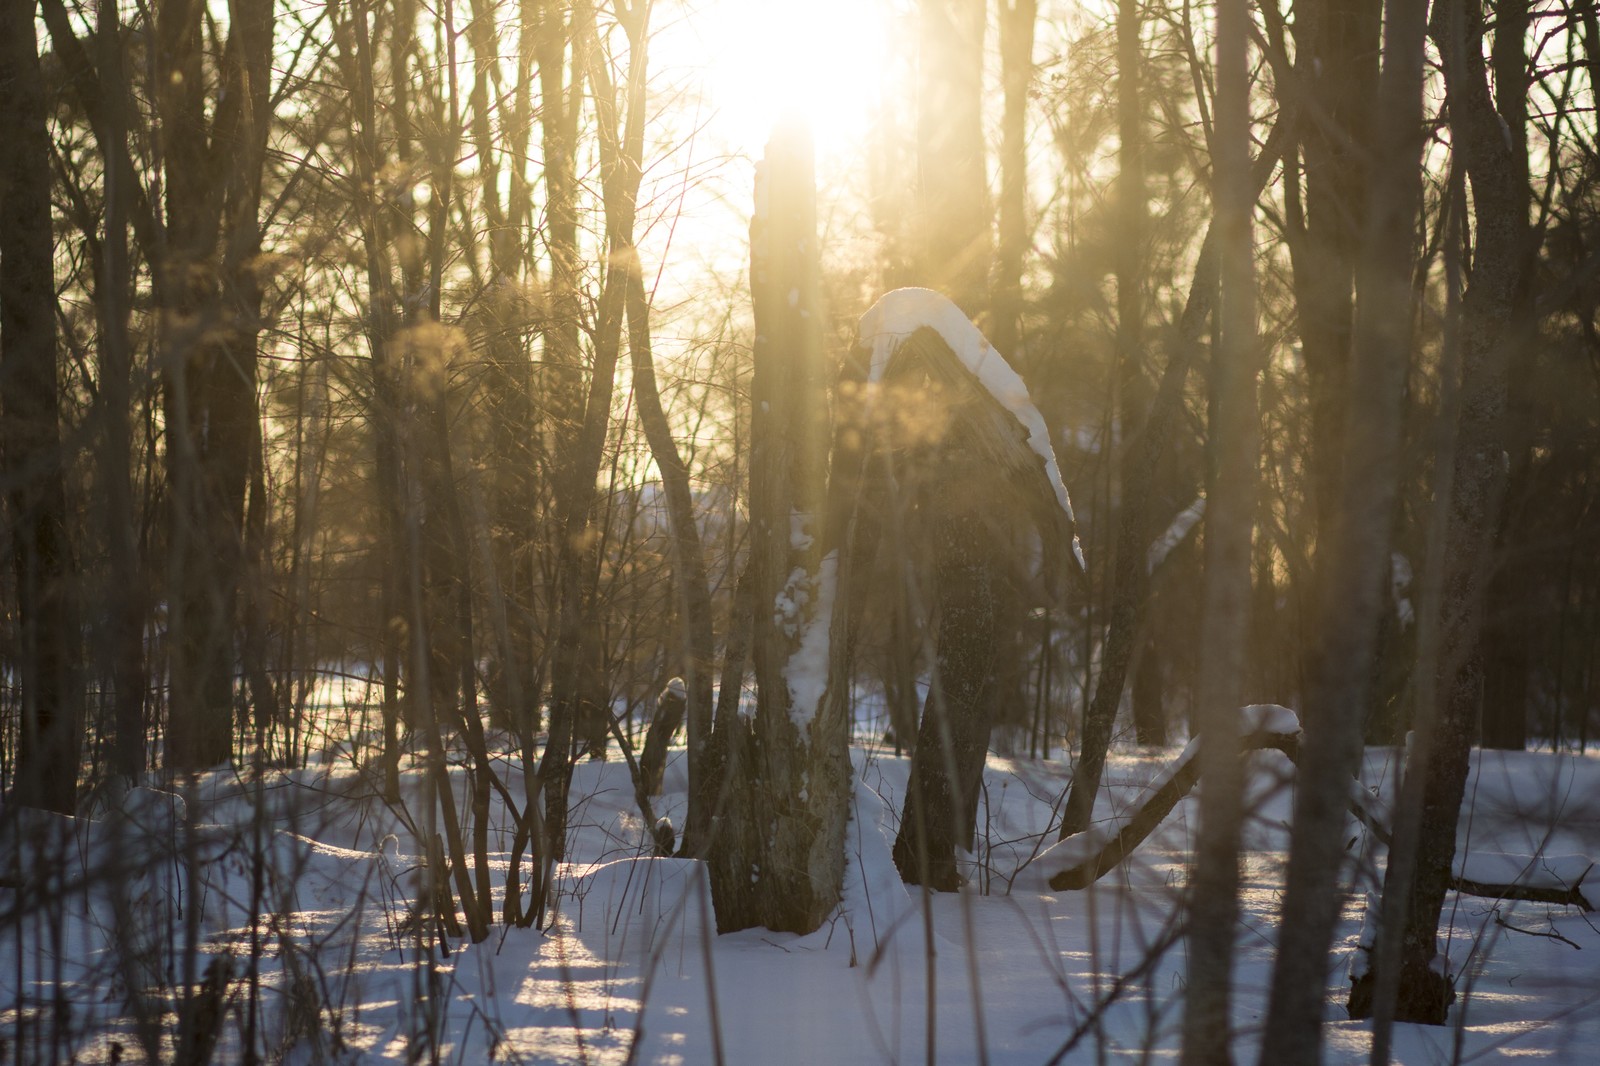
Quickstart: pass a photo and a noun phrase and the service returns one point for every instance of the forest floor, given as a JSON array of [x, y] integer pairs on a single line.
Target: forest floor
[[1007, 972]]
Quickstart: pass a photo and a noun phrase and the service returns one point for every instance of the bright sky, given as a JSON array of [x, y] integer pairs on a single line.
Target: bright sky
[[722, 73], [757, 59]]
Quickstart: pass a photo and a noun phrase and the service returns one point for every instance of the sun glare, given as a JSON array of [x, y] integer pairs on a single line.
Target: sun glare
[[761, 59]]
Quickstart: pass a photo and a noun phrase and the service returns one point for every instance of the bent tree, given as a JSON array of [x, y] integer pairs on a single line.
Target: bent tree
[[973, 458], [817, 497]]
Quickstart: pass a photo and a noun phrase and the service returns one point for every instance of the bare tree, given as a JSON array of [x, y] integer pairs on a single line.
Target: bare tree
[[1489, 329], [1230, 519], [777, 835], [209, 290], [47, 652], [955, 246], [1017, 19], [1353, 561]]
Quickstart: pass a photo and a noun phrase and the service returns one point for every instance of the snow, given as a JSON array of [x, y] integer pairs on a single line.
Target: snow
[[1371, 915], [1543, 871], [800, 538], [902, 312], [807, 669], [1399, 584], [1269, 718], [1186, 520], [629, 969]]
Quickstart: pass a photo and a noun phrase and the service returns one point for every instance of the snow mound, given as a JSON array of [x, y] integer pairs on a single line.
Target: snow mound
[[875, 902], [638, 907]]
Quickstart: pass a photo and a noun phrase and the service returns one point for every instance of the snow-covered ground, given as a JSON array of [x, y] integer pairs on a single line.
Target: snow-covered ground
[[630, 972]]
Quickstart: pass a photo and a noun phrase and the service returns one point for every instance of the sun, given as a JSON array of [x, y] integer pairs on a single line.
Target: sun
[[759, 60]]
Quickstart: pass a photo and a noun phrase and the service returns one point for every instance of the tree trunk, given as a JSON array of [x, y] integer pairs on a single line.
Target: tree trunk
[[578, 698], [512, 458], [1505, 649], [1133, 522], [664, 723], [1336, 69], [1496, 290], [209, 295], [688, 563], [777, 840], [559, 379], [954, 242], [1354, 561], [357, 55], [113, 303], [953, 739], [1504, 646], [47, 658], [1133, 389], [1017, 19], [1234, 431]]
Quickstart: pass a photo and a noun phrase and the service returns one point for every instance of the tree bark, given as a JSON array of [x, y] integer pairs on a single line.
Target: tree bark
[[506, 322], [1133, 390], [382, 322], [953, 738], [1017, 19], [578, 696], [113, 303], [777, 842], [1504, 646], [1336, 74], [954, 242], [1354, 562], [1234, 431], [1496, 289], [48, 655], [688, 561], [209, 305]]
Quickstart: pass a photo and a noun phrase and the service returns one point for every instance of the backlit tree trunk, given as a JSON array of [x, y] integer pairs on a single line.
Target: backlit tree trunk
[[1489, 332], [777, 837], [954, 247], [209, 291]]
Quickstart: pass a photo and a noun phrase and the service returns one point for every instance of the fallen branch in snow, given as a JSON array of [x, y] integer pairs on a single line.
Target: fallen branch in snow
[[1536, 879], [1270, 732], [1550, 934], [1550, 889], [1541, 879]]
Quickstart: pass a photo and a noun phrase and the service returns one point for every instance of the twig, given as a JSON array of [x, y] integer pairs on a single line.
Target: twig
[[1551, 935]]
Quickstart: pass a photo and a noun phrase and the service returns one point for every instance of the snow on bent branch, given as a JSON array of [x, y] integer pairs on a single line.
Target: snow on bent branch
[[806, 603], [891, 322]]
